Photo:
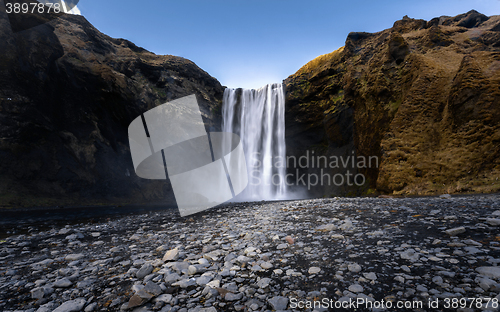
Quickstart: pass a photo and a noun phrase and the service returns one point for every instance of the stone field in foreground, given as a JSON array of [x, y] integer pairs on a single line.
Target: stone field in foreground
[[264, 256]]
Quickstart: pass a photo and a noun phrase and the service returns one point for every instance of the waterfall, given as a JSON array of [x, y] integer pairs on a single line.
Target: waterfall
[[258, 117]]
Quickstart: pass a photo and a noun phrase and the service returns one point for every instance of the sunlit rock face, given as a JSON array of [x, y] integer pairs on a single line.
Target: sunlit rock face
[[422, 96]]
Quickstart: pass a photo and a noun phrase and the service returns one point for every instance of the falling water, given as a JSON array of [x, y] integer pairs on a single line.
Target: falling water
[[258, 117]]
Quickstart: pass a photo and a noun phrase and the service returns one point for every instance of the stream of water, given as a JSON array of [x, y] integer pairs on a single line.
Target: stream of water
[[258, 117]]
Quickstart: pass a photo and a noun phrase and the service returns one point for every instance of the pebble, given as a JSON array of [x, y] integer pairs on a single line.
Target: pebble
[[266, 265], [455, 231], [370, 276], [153, 288], [264, 282], [399, 279], [356, 288], [493, 221], [354, 267], [233, 297], [71, 305], [278, 303], [63, 283], [281, 246], [347, 225], [91, 307], [203, 280], [74, 257], [489, 271], [144, 270], [171, 255], [326, 227]]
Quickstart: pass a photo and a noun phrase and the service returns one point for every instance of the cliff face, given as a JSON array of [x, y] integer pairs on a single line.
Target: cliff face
[[423, 96], [67, 96]]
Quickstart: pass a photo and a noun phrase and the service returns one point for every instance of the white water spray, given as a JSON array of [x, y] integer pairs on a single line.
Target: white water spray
[[258, 117]]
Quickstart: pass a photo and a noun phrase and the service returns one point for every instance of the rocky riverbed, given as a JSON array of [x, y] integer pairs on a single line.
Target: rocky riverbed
[[373, 252]]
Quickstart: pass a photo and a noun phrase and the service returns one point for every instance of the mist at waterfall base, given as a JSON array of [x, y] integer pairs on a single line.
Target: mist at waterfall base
[[258, 117]]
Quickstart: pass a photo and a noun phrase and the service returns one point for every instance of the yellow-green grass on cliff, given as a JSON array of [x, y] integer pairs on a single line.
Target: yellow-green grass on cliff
[[320, 61]]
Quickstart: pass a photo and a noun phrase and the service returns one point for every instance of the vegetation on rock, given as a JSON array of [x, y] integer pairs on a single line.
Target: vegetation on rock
[[422, 96]]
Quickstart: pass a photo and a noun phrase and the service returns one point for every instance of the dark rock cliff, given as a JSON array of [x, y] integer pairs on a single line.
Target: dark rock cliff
[[67, 96], [423, 97]]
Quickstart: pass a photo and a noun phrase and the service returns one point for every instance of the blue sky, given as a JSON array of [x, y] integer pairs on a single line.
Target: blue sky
[[250, 43]]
